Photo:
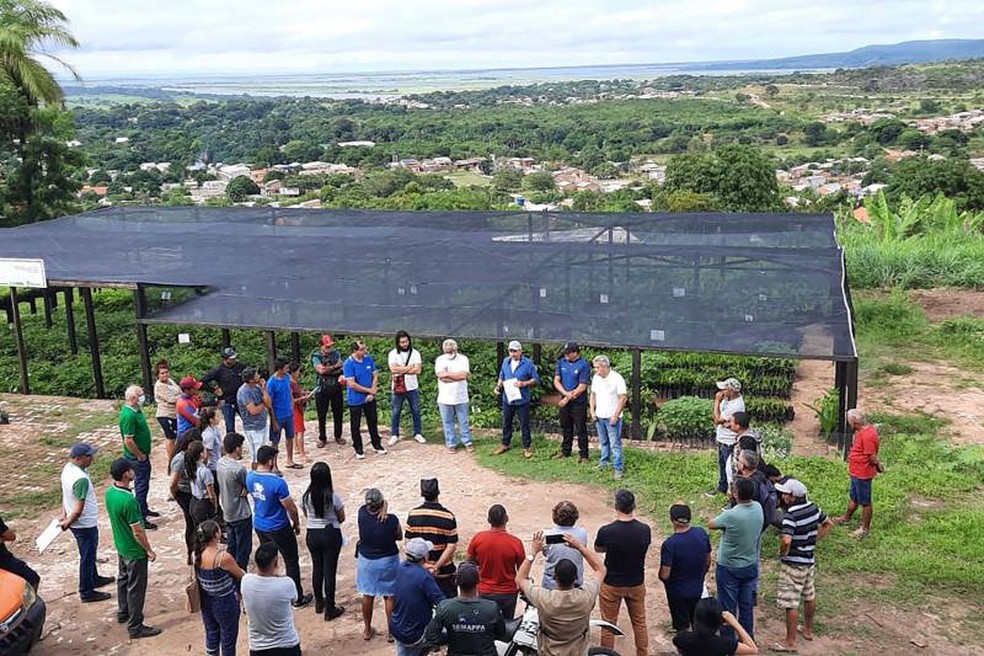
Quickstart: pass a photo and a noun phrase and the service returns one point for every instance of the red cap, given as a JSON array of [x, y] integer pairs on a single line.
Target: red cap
[[190, 382], [326, 340]]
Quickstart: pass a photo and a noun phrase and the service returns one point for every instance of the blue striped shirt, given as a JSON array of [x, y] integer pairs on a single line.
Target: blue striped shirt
[[802, 522]]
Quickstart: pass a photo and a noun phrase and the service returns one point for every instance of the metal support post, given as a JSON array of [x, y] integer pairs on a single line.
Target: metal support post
[[90, 323]]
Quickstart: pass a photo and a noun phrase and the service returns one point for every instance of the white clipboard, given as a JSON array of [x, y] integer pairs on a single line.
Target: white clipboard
[[48, 536], [512, 392]]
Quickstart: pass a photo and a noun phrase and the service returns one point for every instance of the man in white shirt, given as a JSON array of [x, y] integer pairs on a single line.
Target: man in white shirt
[[453, 370], [727, 402], [405, 365], [267, 597], [80, 514], [607, 400]]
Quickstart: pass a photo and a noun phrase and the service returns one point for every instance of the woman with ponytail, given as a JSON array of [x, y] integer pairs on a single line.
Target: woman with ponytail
[[203, 502], [218, 579]]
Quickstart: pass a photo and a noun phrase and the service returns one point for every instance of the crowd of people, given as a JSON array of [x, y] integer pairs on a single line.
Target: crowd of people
[[229, 487]]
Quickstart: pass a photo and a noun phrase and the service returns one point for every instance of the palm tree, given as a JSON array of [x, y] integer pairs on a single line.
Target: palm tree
[[28, 28]]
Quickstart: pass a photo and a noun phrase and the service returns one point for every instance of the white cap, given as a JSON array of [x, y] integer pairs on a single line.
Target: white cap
[[793, 487], [515, 346]]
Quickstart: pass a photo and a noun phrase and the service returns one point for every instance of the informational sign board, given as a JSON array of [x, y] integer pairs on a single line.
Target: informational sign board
[[22, 272]]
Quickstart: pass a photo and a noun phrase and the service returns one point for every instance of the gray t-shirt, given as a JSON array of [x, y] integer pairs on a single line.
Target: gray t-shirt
[[251, 394], [554, 553], [268, 611], [212, 439], [331, 513], [199, 484], [232, 481], [178, 465]]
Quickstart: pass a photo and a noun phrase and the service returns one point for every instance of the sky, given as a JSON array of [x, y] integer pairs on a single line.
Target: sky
[[135, 38]]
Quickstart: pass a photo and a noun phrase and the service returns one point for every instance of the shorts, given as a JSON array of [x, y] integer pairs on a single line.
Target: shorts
[[286, 427], [376, 577], [796, 583], [861, 490]]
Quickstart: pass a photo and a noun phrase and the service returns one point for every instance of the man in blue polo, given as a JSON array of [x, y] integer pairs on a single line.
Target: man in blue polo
[[571, 379], [282, 404], [516, 376], [362, 381]]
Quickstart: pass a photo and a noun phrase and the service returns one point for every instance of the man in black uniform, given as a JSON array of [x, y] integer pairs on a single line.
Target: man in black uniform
[[327, 363], [224, 381]]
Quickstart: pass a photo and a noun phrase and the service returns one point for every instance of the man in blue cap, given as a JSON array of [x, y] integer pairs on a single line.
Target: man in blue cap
[[80, 514]]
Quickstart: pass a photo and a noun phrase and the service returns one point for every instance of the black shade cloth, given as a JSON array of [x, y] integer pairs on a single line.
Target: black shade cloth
[[760, 284]]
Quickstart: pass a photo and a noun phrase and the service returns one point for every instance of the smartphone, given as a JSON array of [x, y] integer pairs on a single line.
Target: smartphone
[[554, 539]]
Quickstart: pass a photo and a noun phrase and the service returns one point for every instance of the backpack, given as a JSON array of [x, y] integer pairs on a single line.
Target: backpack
[[767, 497]]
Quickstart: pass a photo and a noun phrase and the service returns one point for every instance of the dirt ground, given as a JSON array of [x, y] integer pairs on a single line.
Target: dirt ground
[[940, 304]]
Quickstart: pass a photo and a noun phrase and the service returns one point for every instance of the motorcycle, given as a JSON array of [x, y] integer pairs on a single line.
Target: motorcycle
[[521, 634]]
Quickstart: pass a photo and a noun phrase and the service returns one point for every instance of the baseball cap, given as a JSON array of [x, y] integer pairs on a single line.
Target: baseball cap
[[515, 346], [793, 487], [730, 384], [326, 340], [680, 512], [571, 347], [429, 487], [190, 382], [467, 575], [229, 353], [80, 449], [418, 548]]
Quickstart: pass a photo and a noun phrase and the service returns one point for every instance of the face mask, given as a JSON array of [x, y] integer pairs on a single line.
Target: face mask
[[142, 399]]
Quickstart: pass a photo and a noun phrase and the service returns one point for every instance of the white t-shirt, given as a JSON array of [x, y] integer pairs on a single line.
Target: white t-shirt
[[606, 392], [268, 611], [400, 359], [728, 408], [452, 392]]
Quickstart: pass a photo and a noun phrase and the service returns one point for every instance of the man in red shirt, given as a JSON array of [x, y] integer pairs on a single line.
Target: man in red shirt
[[863, 465], [499, 555]]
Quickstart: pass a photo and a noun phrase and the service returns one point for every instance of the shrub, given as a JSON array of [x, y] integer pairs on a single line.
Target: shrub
[[687, 418]]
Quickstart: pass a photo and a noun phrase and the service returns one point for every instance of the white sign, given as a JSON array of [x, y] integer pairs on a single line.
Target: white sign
[[21, 272]]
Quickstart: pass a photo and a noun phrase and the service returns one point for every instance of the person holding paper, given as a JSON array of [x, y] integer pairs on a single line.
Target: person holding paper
[[516, 376], [80, 514]]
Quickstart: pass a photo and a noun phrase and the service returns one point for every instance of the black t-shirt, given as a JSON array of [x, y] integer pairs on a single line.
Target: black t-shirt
[[377, 539], [3, 545], [625, 545], [704, 644]]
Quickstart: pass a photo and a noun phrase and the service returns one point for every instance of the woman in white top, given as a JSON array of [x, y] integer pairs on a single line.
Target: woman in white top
[[166, 393], [325, 512]]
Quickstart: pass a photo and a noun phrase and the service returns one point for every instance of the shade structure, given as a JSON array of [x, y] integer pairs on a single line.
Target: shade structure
[[757, 284]]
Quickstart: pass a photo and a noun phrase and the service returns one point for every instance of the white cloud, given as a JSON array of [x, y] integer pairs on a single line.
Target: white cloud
[[203, 37]]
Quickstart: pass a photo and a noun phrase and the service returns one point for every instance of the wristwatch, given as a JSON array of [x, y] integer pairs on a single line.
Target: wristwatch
[[531, 557]]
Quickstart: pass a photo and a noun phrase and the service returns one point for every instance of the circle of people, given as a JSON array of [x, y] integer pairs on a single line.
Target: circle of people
[[429, 600]]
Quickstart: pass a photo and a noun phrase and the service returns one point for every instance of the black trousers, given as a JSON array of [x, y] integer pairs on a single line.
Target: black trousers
[[505, 602], [574, 420], [329, 396], [682, 611], [201, 510], [184, 501], [277, 651], [324, 544], [286, 543], [17, 566], [369, 409]]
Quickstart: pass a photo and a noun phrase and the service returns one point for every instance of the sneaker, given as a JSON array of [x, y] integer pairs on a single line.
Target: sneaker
[[334, 613], [360, 456], [303, 602], [122, 619], [470, 448], [322, 444], [713, 492], [499, 451], [583, 461], [341, 441], [527, 453], [393, 440], [96, 596], [145, 632], [103, 581], [420, 438], [618, 474], [150, 526], [381, 450], [153, 513], [558, 455]]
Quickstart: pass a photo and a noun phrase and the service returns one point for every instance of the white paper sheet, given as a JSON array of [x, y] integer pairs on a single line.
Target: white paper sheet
[[48, 536], [513, 393]]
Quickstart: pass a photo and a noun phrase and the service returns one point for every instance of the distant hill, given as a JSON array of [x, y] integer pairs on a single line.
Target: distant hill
[[908, 52]]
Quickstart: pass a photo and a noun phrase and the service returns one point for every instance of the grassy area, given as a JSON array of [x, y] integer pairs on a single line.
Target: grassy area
[[468, 179], [927, 536]]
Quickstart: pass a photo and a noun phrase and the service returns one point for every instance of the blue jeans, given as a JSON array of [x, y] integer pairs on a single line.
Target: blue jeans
[[448, 415], [240, 536], [413, 399], [735, 591], [221, 618], [610, 438], [724, 452], [87, 540], [410, 650], [229, 411], [510, 411], [141, 482]]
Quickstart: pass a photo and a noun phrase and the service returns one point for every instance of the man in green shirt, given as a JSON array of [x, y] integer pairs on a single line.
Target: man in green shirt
[[136, 448], [133, 549], [468, 624]]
